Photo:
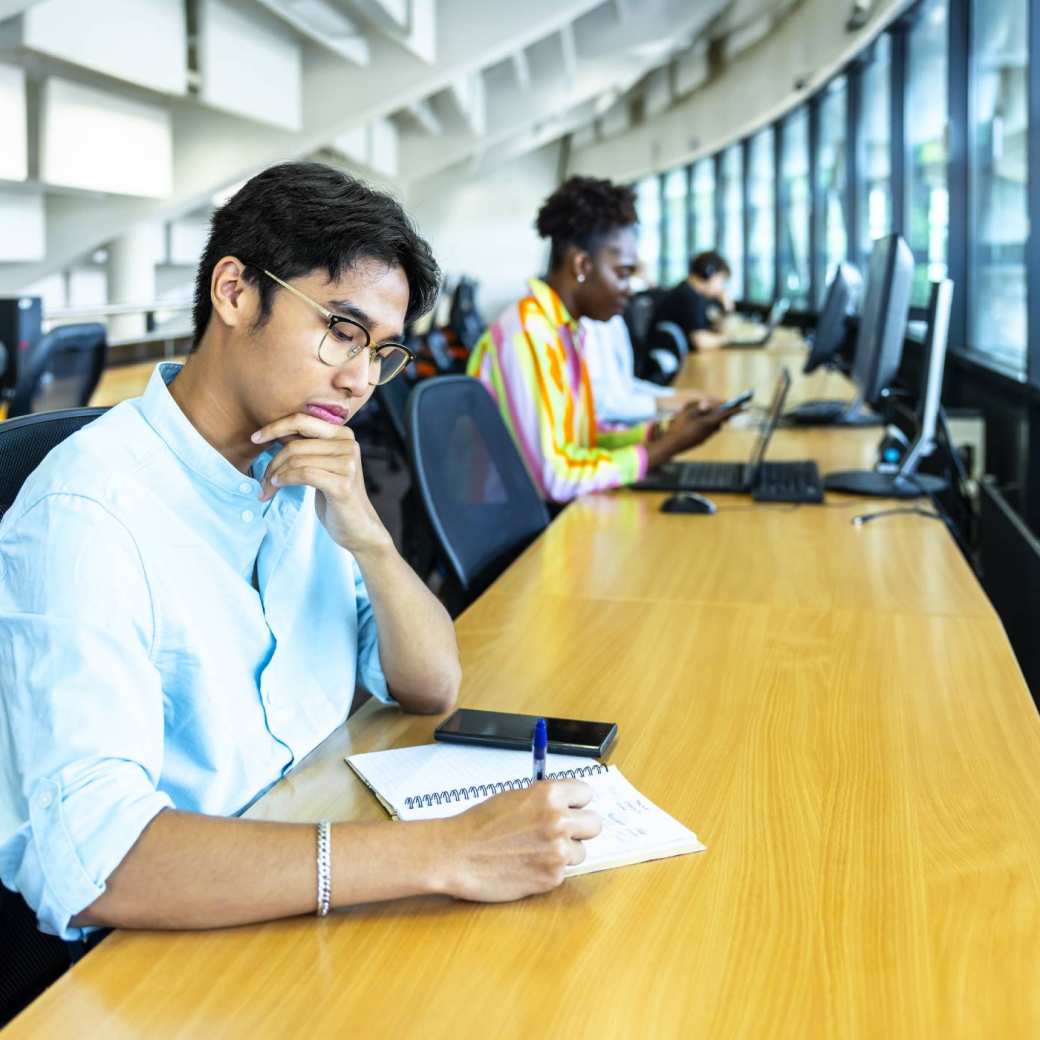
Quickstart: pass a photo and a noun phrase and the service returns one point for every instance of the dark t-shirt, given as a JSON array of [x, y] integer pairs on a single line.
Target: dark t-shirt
[[684, 306]]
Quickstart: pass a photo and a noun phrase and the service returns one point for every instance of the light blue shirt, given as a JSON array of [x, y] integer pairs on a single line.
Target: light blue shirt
[[140, 668]]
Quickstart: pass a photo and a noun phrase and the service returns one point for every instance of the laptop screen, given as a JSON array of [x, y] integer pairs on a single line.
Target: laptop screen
[[758, 452]]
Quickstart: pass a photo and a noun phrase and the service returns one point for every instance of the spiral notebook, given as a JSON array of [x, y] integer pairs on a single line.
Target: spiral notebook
[[434, 781]]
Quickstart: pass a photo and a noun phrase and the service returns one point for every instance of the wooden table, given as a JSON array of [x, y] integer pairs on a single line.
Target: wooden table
[[123, 381], [836, 712]]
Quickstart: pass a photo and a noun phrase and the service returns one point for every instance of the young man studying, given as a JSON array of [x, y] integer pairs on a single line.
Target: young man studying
[[193, 585]]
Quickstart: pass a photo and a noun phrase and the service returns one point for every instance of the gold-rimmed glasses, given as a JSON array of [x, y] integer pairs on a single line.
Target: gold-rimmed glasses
[[344, 339]]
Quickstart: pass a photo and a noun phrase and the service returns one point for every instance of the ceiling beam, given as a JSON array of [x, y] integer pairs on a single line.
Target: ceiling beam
[[522, 68], [348, 41], [570, 53], [422, 112]]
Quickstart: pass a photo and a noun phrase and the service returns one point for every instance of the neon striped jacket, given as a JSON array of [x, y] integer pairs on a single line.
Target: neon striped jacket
[[531, 360]]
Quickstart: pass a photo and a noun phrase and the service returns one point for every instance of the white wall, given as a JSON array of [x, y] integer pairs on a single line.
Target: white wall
[[248, 65], [483, 225], [14, 153], [143, 41], [102, 141], [22, 226], [808, 45]]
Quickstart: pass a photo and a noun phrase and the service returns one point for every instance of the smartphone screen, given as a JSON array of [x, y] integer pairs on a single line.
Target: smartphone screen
[[737, 402], [507, 730]]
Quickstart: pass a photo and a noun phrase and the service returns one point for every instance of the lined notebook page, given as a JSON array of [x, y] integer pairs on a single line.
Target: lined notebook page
[[409, 772], [634, 829]]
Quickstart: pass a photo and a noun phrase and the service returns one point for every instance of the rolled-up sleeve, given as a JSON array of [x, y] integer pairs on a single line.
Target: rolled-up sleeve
[[369, 666], [81, 705]]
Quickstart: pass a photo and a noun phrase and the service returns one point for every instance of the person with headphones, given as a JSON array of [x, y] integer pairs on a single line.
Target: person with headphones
[[531, 359], [698, 305]]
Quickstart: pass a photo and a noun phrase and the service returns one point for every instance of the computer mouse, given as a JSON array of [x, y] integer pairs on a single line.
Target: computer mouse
[[687, 502]]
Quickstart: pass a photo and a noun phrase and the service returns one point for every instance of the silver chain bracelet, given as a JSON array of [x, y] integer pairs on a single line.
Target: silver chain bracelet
[[324, 868]]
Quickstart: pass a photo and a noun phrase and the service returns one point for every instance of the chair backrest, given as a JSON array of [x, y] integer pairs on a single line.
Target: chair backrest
[[437, 346], [673, 333], [26, 440], [465, 319], [63, 370], [30, 960], [478, 495], [393, 401], [639, 316]]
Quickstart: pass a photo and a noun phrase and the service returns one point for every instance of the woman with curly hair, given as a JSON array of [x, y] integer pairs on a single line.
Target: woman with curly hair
[[532, 358]]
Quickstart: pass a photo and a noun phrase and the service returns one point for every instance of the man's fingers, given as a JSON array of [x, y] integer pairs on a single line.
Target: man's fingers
[[573, 794], [314, 476], [302, 425], [584, 824]]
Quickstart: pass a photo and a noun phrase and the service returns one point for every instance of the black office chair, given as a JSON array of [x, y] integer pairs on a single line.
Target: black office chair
[[29, 960], [62, 370], [478, 495], [639, 317], [392, 399], [438, 348], [26, 440], [464, 317]]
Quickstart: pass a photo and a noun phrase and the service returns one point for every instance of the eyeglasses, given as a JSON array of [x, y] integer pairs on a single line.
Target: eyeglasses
[[344, 339]]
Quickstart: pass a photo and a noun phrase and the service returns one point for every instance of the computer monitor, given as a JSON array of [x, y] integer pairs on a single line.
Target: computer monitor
[[21, 327], [907, 482], [879, 338], [882, 325], [833, 325]]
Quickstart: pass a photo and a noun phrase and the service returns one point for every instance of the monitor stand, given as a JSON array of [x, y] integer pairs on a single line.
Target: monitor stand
[[833, 413], [884, 485]]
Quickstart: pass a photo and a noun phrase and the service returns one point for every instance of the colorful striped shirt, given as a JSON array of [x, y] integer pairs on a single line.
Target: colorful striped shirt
[[532, 362]]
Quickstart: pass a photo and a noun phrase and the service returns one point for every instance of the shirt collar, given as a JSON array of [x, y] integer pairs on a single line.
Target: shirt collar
[[550, 303], [164, 415]]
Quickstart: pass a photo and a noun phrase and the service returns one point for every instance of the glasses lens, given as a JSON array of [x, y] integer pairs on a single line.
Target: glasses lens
[[388, 362], [342, 342]]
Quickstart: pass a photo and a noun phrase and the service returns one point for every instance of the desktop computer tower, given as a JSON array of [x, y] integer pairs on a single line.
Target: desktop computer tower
[[21, 326]]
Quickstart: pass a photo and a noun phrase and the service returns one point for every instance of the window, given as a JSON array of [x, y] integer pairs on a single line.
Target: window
[[703, 206], [733, 216], [761, 217], [999, 171], [676, 258], [793, 244], [874, 148], [928, 202], [648, 205], [831, 173]]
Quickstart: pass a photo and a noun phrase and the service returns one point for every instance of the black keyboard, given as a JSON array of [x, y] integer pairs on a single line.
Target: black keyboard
[[713, 476], [788, 482]]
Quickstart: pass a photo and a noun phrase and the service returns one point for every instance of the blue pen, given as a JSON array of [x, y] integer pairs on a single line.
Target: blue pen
[[539, 746]]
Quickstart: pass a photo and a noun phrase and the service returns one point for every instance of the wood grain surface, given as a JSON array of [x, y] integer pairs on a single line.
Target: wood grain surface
[[836, 712]]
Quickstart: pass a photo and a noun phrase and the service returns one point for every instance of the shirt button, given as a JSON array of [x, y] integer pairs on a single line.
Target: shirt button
[[45, 799], [247, 515], [245, 487]]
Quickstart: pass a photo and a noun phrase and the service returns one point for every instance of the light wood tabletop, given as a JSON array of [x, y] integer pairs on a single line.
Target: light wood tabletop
[[838, 715], [122, 381]]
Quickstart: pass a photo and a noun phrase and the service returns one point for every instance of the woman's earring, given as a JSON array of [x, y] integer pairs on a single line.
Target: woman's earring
[[581, 278]]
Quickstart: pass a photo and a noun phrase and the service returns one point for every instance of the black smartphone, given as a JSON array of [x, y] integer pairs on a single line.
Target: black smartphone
[[736, 402], [506, 730]]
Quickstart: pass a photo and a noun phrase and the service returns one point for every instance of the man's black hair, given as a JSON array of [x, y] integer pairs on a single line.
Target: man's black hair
[[584, 212], [707, 265], [296, 218]]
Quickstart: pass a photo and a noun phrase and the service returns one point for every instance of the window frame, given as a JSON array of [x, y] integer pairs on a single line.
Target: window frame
[[959, 67]]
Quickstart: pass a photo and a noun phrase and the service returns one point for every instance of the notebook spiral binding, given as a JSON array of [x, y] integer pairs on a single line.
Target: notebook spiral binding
[[464, 794]]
